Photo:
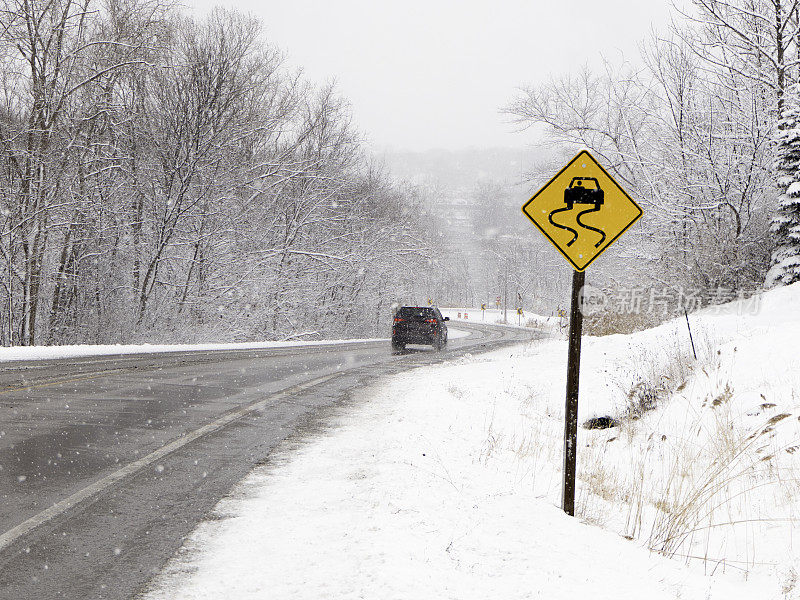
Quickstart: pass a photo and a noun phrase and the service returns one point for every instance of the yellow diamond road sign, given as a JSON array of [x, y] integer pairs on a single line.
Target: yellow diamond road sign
[[582, 210]]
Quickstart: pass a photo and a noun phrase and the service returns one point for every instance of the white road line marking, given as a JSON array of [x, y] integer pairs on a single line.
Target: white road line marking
[[59, 508]]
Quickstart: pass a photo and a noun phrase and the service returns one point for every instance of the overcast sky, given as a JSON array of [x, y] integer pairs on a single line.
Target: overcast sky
[[434, 74]]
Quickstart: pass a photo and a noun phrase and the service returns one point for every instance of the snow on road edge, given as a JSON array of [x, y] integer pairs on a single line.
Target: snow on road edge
[[14, 353], [86, 350]]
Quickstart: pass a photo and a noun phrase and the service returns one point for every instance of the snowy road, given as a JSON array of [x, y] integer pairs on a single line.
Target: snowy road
[[107, 463]]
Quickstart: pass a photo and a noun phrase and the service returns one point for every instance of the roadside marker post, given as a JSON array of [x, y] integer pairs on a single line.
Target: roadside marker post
[[582, 211]]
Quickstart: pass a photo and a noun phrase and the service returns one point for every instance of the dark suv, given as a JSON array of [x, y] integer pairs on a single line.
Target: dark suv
[[418, 325]]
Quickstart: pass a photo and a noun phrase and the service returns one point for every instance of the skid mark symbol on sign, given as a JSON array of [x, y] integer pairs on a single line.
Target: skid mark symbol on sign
[[577, 193]]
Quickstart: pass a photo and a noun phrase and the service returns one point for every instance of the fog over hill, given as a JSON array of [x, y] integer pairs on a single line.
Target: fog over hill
[[485, 245], [490, 249], [462, 169]]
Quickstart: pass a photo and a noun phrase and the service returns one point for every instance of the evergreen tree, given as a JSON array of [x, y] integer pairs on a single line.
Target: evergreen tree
[[786, 222]]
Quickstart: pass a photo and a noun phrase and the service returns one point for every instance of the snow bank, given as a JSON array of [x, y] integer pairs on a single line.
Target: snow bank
[[85, 350], [494, 316], [81, 350], [444, 482]]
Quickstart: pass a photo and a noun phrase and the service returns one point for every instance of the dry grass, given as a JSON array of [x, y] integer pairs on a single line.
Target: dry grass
[[692, 479], [650, 374], [706, 482], [689, 491], [611, 323], [686, 494]]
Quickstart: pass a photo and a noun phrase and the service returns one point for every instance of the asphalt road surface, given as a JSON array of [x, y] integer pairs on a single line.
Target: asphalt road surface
[[107, 463]]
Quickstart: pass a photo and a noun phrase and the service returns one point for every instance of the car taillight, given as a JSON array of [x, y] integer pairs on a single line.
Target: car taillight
[[430, 320], [398, 320]]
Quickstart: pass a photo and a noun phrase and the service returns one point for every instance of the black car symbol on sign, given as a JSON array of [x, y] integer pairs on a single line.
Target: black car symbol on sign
[[578, 193]]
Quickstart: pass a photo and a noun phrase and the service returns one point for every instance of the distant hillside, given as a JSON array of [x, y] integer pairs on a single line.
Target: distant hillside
[[462, 169]]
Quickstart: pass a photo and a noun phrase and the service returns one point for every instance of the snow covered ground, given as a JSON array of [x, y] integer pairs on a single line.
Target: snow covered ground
[[444, 482], [494, 316], [83, 350], [453, 333], [79, 350]]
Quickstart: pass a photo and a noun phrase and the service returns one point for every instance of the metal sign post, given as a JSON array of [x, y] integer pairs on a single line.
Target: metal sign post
[[582, 211], [571, 405]]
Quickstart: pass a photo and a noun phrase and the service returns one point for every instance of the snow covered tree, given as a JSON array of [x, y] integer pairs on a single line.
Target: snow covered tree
[[786, 223], [755, 39], [168, 178], [690, 144]]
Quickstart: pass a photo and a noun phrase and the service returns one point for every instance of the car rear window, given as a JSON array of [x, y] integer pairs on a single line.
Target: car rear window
[[416, 312]]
